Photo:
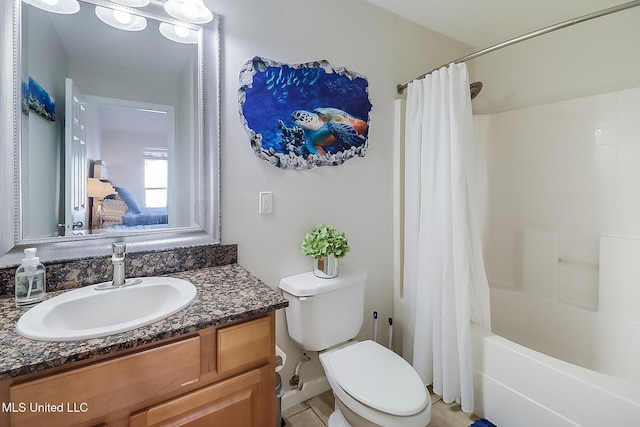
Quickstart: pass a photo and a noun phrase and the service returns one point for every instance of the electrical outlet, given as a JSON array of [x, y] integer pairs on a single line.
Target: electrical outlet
[[266, 202]]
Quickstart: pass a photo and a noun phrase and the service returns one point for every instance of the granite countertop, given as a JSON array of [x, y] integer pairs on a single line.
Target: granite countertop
[[225, 294]]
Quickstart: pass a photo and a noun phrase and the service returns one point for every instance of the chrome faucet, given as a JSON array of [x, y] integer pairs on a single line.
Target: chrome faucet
[[117, 259]]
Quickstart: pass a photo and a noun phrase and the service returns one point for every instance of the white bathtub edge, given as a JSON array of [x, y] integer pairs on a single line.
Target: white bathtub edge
[[541, 387]]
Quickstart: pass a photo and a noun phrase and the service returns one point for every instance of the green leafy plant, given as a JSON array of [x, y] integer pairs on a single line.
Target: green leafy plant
[[324, 240]]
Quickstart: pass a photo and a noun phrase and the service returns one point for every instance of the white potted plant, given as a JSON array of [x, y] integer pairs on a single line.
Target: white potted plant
[[325, 245]]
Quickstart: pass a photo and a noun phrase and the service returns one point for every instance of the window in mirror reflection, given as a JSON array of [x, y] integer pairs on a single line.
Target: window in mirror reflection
[[156, 178]]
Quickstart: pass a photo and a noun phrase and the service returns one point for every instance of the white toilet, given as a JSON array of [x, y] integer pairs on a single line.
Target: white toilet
[[373, 386]]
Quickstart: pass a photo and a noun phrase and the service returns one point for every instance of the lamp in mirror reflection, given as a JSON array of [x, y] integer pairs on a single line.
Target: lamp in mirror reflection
[[178, 33], [120, 19], [97, 189], [65, 7], [193, 11]]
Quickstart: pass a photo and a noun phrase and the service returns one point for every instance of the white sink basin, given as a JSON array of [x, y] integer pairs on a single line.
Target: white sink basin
[[90, 313]]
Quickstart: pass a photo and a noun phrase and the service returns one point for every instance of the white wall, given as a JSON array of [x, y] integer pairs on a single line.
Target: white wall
[[182, 203], [355, 197], [42, 140]]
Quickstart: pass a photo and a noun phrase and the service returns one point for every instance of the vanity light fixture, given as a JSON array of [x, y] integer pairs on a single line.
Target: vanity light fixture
[[178, 33], [120, 19], [193, 11], [65, 7], [132, 3]]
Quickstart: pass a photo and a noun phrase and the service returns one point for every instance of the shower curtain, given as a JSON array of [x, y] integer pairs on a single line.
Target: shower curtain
[[445, 284]]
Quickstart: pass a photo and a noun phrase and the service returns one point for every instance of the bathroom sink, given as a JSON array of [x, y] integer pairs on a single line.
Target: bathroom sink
[[101, 310]]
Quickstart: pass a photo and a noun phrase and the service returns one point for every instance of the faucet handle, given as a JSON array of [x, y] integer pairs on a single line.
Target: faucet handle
[[119, 249]]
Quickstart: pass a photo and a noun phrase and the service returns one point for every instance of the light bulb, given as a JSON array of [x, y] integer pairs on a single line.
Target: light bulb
[[65, 7], [193, 11], [178, 33], [189, 8], [122, 17], [181, 31]]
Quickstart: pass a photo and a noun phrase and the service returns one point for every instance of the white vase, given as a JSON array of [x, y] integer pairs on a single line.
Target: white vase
[[326, 268]]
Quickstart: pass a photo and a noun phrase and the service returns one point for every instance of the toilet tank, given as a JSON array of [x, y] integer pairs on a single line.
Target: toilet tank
[[324, 312]]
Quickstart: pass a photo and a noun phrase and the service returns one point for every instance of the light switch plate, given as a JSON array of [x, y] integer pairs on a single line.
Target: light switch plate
[[266, 202]]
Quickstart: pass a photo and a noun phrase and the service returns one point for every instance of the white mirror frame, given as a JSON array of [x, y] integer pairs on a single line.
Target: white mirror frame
[[60, 249]]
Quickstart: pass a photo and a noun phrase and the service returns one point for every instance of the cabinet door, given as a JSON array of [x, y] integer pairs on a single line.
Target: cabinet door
[[244, 343], [90, 392], [237, 402]]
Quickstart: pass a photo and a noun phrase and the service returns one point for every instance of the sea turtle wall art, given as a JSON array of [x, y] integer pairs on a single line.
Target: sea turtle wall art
[[302, 116], [35, 98]]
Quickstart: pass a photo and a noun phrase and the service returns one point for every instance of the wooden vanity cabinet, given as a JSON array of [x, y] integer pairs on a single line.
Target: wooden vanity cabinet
[[222, 376], [232, 402], [246, 399]]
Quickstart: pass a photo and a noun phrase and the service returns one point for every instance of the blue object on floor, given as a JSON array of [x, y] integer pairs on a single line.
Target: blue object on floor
[[482, 423]]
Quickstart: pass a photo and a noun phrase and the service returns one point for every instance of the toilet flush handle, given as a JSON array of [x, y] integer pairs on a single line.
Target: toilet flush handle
[[304, 298]]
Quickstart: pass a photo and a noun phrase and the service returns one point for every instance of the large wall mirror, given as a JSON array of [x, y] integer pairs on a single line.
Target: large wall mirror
[[113, 134]]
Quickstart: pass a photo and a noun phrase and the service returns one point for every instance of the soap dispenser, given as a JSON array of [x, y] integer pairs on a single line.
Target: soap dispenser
[[30, 280]]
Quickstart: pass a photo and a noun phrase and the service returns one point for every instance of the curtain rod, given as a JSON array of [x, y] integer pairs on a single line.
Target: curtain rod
[[531, 35]]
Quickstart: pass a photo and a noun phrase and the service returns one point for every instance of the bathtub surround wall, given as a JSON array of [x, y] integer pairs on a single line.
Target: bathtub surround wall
[[604, 341], [561, 242], [561, 171], [558, 177], [83, 272]]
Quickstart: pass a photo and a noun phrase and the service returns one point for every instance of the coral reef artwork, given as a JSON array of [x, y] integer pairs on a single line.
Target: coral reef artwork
[[303, 116], [35, 98]]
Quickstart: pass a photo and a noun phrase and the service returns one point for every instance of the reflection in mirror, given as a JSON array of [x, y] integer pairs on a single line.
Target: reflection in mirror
[[75, 59], [133, 110]]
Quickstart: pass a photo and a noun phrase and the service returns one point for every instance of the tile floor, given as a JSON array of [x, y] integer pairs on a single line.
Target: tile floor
[[315, 413]]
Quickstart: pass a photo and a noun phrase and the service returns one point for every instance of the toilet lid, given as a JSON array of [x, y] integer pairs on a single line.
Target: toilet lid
[[379, 378]]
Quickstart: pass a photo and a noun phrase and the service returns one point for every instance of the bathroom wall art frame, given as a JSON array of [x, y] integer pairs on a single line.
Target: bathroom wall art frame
[[36, 98], [302, 116]]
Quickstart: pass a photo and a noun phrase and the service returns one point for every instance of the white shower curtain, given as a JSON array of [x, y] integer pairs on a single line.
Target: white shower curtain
[[445, 284]]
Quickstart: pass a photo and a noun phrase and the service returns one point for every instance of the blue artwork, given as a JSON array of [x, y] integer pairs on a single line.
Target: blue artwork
[[25, 97], [306, 115], [34, 97]]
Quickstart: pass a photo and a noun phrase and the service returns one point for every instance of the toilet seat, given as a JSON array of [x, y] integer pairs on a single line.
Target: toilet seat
[[379, 378], [377, 384]]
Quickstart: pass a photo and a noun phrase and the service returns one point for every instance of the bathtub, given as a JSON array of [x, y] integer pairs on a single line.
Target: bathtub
[[517, 386]]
